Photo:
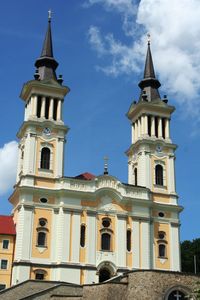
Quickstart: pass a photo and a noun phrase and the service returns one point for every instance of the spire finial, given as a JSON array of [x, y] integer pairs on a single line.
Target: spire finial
[[49, 15], [148, 38], [105, 165]]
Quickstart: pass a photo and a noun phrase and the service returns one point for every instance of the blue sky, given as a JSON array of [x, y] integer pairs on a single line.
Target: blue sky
[[100, 46]]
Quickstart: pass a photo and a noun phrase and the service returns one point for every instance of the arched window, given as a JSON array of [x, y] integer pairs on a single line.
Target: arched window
[[135, 175], [128, 240], [41, 241], [42, 233], [105, 241], [159, 175], [161, 250], [45, 158], [82, 237]]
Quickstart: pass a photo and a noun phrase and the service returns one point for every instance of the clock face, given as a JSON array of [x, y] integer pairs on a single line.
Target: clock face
[[159, 148], [47, 131]]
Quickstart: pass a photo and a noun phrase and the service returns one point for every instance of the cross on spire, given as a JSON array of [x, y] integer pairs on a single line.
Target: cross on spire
[[149, 38], [105, 165], [49, 14]]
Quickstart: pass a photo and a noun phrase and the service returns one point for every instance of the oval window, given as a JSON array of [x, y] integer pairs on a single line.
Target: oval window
[[43, 200]]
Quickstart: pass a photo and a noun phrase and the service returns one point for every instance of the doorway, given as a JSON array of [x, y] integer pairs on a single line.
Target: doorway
[[104, 274]]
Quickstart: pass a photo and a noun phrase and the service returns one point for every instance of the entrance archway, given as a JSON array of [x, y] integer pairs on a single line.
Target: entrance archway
[[104, 274]]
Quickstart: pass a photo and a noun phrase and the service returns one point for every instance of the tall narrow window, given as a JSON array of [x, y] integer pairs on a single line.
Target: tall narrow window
[[128, 240], [5, 244], [55, 107], [135, 175], [159, 175], [45, 158], [39, 105], [4, 264], [47, 104], [156, 126], [82, 237], [149, 125], [161, 250], [163, 128], [105, 241], [41, 242]]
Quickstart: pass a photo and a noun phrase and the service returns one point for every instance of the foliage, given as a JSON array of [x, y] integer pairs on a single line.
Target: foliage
[[188, 250]]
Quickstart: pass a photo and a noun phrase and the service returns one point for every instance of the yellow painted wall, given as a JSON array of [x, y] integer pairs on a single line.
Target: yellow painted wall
[[47, 274], [45, 182], [82, 253], [166, 228], [47, 214], [129, 254], [163, 198], [5, 275], [99, 227]]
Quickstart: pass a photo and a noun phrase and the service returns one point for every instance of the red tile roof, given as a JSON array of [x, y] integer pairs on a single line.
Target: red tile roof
[[7, 225], [85, 176]]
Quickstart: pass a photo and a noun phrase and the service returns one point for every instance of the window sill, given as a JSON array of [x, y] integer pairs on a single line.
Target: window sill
[[45, 171], [162, 257]]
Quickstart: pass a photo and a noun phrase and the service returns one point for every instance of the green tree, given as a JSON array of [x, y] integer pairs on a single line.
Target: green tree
[[189, 249]]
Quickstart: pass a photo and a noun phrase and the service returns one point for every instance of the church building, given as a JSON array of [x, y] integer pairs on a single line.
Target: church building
[[87, 229]]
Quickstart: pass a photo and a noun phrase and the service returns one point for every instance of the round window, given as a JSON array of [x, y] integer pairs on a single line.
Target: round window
[[43, 200], [42, 222], [106, 222], [161, 235], [161, 214]]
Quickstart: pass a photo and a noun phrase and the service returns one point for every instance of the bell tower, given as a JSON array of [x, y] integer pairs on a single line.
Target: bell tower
[[42, 134], [151, 154]]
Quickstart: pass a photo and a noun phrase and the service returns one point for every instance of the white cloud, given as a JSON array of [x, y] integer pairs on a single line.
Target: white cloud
[[8, 166], [175, 31], [127, 8]]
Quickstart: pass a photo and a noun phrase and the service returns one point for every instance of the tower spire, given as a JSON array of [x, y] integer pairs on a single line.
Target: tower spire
[[149, 84], [46, 64]]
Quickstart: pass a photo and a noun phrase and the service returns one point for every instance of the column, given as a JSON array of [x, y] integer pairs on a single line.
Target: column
[[136, 131], [171, 174], [51, 109], [175, 248], [160, 127], [91, 238], [139, 128], [34, 105], [145, 244], [132, 133], [43, 107], [142, 125], [121, 241], [136, 245], [75, 239], [153, 126], [167, 129], [59, 111], [59, 157], [145, 125]]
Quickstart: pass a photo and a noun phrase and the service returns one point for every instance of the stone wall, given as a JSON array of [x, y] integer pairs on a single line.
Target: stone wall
[[137, 285]]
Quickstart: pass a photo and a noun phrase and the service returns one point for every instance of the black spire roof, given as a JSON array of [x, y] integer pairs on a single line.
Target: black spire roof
[[149, 84], [46, 64]]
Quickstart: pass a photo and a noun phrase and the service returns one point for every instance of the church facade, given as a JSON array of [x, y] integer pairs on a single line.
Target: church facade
[[88, 228]]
